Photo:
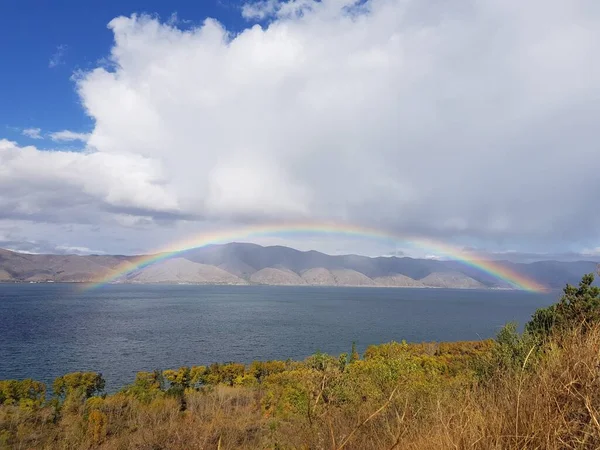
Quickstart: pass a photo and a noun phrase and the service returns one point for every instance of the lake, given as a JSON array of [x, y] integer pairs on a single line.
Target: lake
[[47, 330]]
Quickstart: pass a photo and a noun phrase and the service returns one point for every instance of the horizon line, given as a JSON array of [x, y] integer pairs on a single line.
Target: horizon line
[[484, 256]]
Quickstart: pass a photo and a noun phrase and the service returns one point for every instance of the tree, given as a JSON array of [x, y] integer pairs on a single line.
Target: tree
[[197, 374], [179, 378], [147, 386], [579, 306], [542, 321], [262, 369], [354, 356], [343, 361]]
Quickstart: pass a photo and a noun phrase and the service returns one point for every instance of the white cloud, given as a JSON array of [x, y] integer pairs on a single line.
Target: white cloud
[[260, 10], [241, 184], [69, 186], [77, 250], [58, 56], [476, 120], [68, 136], [592, 252], [12, 241], [33, 133]]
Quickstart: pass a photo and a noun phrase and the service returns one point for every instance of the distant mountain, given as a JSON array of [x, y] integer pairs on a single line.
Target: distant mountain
[[243, 263], [349, 277], [258, 257], [67, 268], [275, 276], [180, 270], [451, 280], [553, 274], [397, 281], [319, 276]]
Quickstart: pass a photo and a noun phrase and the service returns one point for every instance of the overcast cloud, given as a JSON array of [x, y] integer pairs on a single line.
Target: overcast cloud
[[470, 122]]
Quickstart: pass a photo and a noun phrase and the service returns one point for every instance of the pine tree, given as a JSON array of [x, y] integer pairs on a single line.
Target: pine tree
[[579, 306], [354, 356]]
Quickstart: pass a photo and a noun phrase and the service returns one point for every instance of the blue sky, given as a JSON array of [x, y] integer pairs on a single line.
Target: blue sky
[[410, 116], [74, 36]]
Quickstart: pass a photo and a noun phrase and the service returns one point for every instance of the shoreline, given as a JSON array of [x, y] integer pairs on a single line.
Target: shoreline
[[263, 285]]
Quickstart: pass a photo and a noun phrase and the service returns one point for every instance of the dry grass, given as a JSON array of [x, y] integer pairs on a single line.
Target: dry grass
[[554, 406]]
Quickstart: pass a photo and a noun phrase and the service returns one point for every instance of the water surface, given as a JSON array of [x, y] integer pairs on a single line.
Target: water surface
[[47, 330]]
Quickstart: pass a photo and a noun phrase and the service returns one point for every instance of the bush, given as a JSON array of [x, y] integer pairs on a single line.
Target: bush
[[261, 369], [146, 387], [80, 384], [22, 391]]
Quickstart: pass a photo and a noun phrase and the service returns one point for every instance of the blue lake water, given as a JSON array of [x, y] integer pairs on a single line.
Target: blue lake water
[[47, 330]]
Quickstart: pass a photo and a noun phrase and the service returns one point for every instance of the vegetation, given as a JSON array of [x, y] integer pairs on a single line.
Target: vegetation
[[539, 389], [579, 306]]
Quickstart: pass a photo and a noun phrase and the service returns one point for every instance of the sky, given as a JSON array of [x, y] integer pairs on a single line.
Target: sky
[[126, 126]]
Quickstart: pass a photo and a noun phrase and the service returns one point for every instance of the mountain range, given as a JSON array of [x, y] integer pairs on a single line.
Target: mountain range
[[244, 263]]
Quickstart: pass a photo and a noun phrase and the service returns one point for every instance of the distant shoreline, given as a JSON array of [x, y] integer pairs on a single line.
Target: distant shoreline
[[264, 285]]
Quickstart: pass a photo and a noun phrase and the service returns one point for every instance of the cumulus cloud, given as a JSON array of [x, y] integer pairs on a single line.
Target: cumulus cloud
[[471, 121], [33, 133], [68, 186], [69, 136]]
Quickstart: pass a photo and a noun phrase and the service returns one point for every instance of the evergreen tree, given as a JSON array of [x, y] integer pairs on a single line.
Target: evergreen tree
[[343, 361], [354, 356], [579, 306]]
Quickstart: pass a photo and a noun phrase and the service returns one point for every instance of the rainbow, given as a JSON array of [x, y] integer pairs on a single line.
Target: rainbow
[[515, 279]]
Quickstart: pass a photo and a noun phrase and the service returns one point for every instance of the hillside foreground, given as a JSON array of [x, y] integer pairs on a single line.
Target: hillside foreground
[[538, 389]]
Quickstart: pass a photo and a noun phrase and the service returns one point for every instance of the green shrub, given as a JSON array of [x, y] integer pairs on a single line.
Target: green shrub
[[83, 384], [146, 387], [26, 391]]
